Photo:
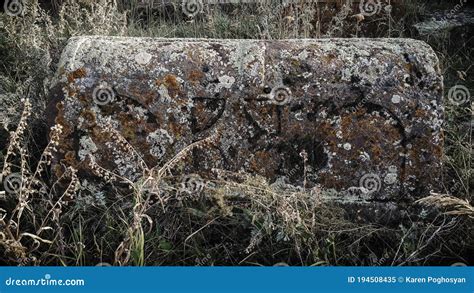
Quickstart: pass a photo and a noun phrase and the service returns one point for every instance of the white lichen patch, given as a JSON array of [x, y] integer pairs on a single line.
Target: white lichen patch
[[87, 147], [390, 178], [158, 141], [139, 113], [143, 58], [225, 82], [392, 169], [246, 53], [303, 55], [164, 94], [396, 99]]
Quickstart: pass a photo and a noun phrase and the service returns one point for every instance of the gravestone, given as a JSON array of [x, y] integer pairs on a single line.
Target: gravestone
[[358, 116]]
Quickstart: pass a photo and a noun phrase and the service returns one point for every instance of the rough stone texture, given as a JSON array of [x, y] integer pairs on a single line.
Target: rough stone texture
[[368, 113]]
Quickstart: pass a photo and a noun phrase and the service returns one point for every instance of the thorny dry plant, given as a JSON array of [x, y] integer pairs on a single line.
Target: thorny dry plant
[[145, 189], [25, 185]]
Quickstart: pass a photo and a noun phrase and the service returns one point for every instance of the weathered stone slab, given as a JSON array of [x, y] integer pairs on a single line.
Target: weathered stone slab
[[365, 113]]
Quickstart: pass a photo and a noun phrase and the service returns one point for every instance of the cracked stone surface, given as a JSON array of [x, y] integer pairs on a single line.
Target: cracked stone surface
[[365, 113]]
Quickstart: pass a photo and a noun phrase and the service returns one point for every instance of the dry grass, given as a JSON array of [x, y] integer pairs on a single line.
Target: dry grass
[[451, 206]]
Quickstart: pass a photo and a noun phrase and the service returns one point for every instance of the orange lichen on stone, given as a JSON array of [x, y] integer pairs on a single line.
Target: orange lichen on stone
[[176, 129], [60, 120], [129, 126], [89, 117], [328, 58], [195, 76], [99, 135], [346, 123], [83, 99], [71, 92], [171, 84], [78, 73], [129, 133], [148, 97], [262, 163], [70, 158], [419, 113]]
